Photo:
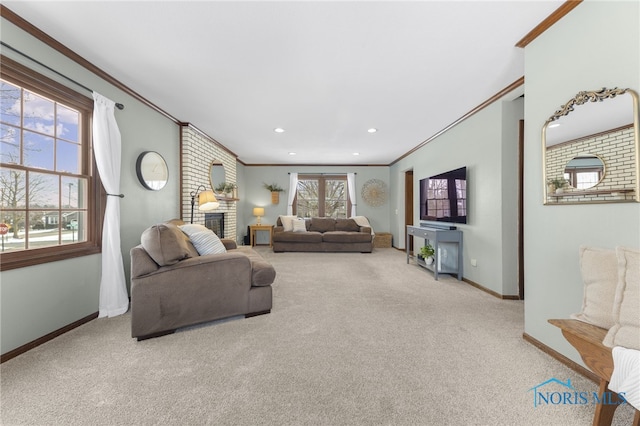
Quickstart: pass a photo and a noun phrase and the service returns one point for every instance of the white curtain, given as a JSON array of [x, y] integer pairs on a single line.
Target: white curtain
[[293, 188], [351, 187], [114, 299]]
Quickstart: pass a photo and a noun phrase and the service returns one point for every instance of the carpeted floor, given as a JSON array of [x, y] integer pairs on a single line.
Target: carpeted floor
[[353, 339]]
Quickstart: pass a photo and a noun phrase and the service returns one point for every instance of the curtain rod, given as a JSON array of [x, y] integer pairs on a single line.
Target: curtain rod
[[323, 174], [118, 105]]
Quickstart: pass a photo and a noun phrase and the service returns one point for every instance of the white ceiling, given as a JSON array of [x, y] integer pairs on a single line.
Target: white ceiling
[[324, 71]]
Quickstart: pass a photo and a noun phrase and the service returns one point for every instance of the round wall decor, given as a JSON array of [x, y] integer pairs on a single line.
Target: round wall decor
[[374, 192], [152, 170]]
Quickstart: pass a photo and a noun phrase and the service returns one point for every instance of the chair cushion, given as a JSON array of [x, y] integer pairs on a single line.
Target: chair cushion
[[626, 307], [166, 244], [599, 269]]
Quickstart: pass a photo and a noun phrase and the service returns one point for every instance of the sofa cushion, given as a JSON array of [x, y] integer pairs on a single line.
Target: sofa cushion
[[322, 224], [298, 237], [348, 225], [599, 269], [203, 239], [166, 244], [262, 273], [346, 237], [626, 308]]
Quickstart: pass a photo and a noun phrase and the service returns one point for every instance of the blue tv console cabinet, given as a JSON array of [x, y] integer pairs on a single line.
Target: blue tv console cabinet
[[447, 244]]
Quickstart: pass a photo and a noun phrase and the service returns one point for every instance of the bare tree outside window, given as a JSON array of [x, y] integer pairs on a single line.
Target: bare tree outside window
[[322, 196]]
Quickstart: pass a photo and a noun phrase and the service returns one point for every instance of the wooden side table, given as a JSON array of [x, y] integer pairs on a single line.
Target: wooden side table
[[254, 228]]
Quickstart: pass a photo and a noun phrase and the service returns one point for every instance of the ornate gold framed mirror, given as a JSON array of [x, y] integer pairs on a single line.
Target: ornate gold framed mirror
[[590, 149]]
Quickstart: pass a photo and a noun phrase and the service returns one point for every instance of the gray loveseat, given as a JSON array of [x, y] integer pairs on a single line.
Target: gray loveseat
[[324, 234], [172, 286]]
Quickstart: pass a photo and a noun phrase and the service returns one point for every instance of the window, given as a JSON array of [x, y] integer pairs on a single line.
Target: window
[[49, 190], [322, 196]]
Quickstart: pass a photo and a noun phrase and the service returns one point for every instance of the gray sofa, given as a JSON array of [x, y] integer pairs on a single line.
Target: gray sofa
[[172, 286], [324, 234]]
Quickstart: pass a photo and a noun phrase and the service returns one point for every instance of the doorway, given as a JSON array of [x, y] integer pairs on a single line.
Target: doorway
[[408, 206]]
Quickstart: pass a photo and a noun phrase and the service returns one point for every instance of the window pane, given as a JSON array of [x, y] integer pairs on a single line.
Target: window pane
[[68, 120], [73, 226], [68, 157], [307, 205], [43, 191], [14, 240], [74, 192], [38, 114], [38, 151], [10, 105], [335, 204], [9, 144], [48, 233], [13, 188]]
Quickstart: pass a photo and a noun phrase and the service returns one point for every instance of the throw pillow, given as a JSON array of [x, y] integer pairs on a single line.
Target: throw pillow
[[299, 225], [626, 308], [165, 244], [599, 269], [287, 222], [203, 239]]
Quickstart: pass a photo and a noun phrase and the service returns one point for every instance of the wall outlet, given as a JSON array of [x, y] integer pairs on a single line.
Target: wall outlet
[[474, 262]]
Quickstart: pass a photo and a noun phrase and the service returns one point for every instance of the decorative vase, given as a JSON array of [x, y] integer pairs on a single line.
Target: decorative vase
[[429, 260], [559, 190]]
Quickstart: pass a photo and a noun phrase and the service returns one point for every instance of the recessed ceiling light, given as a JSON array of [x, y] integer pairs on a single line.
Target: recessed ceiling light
[[372, 130], [356, 153], [292, 153], [278, 130]]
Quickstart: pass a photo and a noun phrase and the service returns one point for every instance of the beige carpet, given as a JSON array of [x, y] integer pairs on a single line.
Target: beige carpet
[[353, 339]]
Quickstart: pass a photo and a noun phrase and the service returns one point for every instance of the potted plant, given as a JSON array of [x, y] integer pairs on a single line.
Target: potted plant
[[221, 188], [426, 253], [229, 189], [557, 185], [275, 192]]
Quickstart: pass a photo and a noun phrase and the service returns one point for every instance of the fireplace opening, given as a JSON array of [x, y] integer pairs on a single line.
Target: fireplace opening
[[215, 222]]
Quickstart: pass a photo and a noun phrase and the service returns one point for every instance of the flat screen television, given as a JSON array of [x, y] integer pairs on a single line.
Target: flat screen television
[[443, 197]]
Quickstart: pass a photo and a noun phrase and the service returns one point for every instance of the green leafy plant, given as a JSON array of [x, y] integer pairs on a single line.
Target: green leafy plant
[[229, 187], [273, 187], [558, 182], [427, 251], [221, 187]]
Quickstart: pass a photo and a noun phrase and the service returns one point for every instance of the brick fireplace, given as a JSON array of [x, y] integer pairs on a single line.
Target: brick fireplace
[[197, 152]]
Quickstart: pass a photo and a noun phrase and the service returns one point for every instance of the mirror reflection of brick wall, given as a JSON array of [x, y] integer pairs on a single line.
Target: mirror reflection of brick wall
[[615, 148], [197, 153]]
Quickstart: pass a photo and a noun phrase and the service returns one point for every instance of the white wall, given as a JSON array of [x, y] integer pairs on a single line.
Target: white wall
[[486, 143], [596, 45], [254, 195], [40, 299]]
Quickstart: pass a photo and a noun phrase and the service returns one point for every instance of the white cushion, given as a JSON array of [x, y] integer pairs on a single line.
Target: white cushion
[[626, 307], [287, 222], [299, 225], [599, 269], [203, 239]]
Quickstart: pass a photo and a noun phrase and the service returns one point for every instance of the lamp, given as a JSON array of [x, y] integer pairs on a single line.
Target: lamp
[[258, 211], [206, 200]]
